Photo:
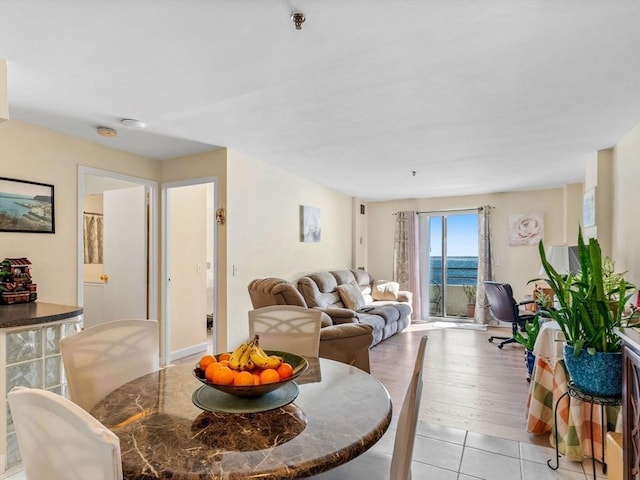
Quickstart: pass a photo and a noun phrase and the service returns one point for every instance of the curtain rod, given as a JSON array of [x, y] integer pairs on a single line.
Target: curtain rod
[[453, 210], [93, 213]]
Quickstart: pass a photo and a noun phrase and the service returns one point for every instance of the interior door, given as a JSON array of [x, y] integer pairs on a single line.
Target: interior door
[[125, 253]]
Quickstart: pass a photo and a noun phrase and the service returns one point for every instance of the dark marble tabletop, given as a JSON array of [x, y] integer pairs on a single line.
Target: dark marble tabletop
[[32, 313], [339, 413]]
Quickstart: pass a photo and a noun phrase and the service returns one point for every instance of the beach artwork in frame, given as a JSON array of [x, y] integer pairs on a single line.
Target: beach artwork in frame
[[26, 206], [525, 229], [310, 228]]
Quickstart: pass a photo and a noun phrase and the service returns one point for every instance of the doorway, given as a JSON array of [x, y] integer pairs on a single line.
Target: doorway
[[189, 278], [116, 246]]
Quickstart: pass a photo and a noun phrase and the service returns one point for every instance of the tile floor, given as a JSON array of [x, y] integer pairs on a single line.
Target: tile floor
[[443, 453]]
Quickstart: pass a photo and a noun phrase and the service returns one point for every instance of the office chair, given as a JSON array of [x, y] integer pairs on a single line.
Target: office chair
[[287, 328], [376, 465], [99, 359], [506, 309], [58, 439]]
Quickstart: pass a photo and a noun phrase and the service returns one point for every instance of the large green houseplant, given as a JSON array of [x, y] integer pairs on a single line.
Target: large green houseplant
[[590, 306]]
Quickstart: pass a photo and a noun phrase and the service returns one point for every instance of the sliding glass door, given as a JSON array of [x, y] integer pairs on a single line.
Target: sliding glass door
[[450, 249]]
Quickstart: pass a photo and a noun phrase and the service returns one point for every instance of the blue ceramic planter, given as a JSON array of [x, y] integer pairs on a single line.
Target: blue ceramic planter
[[599, 374]]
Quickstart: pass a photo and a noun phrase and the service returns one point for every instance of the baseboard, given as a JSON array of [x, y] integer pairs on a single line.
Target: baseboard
[[186, 352]]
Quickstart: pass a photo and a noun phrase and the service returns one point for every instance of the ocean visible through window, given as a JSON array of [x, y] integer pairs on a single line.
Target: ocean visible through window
[[460, 270]]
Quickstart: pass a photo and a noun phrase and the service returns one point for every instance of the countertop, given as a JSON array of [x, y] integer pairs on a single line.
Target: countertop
[[33, 313]]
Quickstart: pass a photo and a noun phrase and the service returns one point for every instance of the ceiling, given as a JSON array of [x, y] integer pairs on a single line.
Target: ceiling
[[474, 96]]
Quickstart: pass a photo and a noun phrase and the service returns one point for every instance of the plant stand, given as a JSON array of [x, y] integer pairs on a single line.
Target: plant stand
[[593, 400]]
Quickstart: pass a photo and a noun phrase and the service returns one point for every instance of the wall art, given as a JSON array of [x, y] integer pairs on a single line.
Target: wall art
[[26, 206], [525, 229], [310, 228]]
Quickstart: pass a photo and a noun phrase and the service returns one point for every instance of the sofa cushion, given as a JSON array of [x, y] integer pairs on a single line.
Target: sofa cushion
[[385, 290], [351, 295], [343, 276], [389, 312]]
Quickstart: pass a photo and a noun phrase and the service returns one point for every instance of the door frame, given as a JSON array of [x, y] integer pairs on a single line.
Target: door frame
[[152, 249], [165, 253]]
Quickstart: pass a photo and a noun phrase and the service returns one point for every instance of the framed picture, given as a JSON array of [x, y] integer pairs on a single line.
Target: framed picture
[[589, 208], [26, 206], [525, 229], [310, 229]]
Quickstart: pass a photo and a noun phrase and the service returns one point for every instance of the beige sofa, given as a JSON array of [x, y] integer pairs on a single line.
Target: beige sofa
[[346, 342]]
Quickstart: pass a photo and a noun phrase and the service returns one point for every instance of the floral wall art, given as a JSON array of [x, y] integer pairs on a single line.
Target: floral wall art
[[525, 229], [310, 229]]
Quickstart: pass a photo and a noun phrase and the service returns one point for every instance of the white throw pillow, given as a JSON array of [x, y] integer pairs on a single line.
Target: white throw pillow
[[351, 295], [385, 290]]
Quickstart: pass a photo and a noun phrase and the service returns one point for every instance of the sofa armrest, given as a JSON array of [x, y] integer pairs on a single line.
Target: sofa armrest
[[405, 296], [347, 343], [341, 315]]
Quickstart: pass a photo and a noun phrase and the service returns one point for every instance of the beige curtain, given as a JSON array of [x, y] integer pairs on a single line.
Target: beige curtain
[[406, 257], [92, 236], [485, 264]]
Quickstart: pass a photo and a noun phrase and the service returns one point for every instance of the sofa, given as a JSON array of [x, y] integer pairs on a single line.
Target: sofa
[[353, 296], [349, 329], [346, 342]]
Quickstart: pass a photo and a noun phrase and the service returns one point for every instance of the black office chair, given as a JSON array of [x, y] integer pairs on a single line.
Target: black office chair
[[506, 309]]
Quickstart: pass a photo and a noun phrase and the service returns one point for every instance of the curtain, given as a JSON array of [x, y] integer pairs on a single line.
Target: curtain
[[406, 269], [485, 264], [92, 236]]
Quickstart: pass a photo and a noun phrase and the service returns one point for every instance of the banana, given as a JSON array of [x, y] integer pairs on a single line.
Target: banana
[[236, 355], [245, 362], [261, 359]]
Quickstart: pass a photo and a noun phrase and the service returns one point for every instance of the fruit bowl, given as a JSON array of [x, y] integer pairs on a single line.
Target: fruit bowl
[[299, 364]]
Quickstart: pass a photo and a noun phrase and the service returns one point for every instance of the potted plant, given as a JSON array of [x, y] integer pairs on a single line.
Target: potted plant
[[470, 292], [531, 328], [590, 305]]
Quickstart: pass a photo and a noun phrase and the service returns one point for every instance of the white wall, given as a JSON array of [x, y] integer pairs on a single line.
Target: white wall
[[515, 265], [626, 199], [263, 220]]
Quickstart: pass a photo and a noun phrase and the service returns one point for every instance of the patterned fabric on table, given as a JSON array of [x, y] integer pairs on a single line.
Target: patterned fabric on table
[[548, 384]]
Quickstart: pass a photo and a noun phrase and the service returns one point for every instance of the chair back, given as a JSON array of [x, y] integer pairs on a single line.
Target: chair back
[[287, 328], [407, 421], [58, 439], [501, 302], [99, 359]]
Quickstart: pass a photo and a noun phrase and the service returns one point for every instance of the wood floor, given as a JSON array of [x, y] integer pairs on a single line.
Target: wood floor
[[469, 383]]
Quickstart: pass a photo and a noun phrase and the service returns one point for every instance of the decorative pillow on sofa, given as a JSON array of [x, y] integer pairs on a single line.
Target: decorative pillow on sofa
[[384, 290], [351, 295]]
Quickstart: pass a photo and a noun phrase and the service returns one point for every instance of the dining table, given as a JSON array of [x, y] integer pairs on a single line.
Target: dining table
[[577, 422], [167, 430]]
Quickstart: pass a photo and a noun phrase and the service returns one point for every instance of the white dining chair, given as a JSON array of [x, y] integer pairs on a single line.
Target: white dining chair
[[99, 359], [376, 465], [287, 328], [59, 440]]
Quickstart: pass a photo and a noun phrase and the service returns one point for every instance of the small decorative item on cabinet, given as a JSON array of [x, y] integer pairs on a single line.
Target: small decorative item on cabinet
[[15, 281]]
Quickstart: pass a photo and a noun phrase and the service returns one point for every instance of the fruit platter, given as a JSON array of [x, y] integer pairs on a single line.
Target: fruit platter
[[249, 371]]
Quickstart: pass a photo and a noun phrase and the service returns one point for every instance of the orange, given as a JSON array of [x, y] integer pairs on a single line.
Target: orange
[[224, 363], [244, 378], [222, 376], [224, 356], [256, 379], [208, 373], [206, 361], [285, 370], [269, 375]]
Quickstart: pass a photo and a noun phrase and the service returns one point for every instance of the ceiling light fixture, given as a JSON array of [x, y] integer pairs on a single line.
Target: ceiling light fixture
[[298, 19], [132, 123], [106, 131]]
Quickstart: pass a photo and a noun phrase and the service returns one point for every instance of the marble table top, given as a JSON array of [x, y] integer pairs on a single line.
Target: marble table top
[[32, 313], [339, 413]]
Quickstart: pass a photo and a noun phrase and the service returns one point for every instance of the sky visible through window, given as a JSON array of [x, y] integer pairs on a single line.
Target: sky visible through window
[[462, 235]]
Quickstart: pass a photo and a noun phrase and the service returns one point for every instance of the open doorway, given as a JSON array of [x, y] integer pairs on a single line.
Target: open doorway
[[189, 267], [116, 246]]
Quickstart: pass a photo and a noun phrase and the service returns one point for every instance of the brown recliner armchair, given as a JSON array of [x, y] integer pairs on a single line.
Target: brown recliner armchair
[[345, 342]]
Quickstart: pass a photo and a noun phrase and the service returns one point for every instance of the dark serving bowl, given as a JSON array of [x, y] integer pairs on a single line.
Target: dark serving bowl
[[299, 364]]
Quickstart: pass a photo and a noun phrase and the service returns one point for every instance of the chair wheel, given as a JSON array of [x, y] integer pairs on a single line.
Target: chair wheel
[[490, 340], [500, 346]]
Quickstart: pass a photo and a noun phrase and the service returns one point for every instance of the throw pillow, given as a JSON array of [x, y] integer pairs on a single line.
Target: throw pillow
[[351, 296], [384, 290]]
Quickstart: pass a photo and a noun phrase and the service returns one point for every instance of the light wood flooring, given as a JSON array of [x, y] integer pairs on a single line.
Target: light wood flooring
[[469, 383]]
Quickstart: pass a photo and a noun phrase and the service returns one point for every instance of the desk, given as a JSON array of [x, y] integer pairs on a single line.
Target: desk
[[339, 413], [548, 384]]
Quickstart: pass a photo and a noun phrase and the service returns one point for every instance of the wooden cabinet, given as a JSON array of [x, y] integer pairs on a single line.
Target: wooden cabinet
[[631, 402]]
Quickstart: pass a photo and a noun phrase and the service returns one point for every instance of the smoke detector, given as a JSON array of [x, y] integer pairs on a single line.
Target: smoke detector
[[132, 123]]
